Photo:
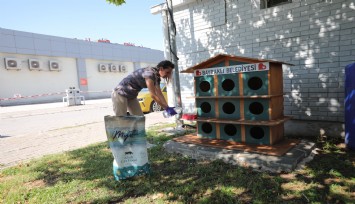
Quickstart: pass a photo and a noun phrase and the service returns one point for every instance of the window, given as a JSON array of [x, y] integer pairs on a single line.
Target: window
[[271, 3]]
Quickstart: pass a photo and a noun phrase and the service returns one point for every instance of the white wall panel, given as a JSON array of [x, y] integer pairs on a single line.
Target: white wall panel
[[28, 82], [104, 81]]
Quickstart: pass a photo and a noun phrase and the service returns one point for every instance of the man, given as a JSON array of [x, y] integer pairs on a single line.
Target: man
[[125, 94]]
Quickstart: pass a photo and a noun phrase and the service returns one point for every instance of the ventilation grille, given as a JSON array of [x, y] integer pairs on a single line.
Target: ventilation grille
[[54, 66], [12, 64]]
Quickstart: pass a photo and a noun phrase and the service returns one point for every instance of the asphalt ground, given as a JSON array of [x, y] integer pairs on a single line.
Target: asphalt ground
[[32, 131]]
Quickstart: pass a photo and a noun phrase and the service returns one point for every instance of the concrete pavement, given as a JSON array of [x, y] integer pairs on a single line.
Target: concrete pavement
[[22, 139], [32, 131]]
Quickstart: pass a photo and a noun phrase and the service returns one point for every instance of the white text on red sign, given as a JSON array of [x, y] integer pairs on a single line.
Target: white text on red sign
[[262, 66]]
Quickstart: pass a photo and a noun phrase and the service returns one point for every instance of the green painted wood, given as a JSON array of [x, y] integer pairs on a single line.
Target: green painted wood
[[228, 85], [221, 64], [206, 130], [205, 86], [256, 109], [257, 134], [206, 108], [229, 109], [231, 132], [236, 63], [255, 83]]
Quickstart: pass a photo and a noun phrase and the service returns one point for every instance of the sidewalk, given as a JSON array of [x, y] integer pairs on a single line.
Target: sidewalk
[[36, 143]]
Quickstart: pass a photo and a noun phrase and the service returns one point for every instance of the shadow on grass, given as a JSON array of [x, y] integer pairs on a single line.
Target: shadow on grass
[[328, 178], [333, 172], [186, 180]]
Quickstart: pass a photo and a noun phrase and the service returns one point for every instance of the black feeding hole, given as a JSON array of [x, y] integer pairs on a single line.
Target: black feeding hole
[[256, 132], [205, 86], [255, 83], [228, 85], [228, 108], [230, 130], [205, 107], [256, 108], [206, 128]]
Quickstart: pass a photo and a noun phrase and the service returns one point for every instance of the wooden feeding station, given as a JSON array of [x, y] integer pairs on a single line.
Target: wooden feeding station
[[239, 103]]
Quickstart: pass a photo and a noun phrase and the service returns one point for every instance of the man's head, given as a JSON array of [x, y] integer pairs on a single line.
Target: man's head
[[165, 69]]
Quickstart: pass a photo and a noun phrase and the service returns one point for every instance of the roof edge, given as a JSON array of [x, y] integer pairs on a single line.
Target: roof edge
[[220, 56]]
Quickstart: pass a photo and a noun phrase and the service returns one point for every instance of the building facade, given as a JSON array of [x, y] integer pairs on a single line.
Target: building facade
[[37, 68], [316, 36]]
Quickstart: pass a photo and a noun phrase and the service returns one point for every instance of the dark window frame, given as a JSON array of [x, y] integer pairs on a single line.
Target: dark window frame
[[273, 3]]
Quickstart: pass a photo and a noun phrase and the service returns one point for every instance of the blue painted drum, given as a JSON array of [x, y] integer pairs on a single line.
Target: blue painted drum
[[126, 137], [350, 106]]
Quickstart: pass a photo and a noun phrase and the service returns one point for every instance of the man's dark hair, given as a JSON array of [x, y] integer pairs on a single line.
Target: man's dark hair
[[165, 64]]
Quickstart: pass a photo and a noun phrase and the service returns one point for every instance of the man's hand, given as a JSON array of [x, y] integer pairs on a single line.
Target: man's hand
[[171, 111]]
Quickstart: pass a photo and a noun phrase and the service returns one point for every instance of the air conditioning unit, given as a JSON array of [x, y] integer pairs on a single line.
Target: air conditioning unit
[[114, 67], [122, 68], [12, 64], [103, 68], [33, 64], [54, 66]]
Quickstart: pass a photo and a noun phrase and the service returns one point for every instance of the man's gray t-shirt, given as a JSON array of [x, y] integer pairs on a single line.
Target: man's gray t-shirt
[[131, 85]]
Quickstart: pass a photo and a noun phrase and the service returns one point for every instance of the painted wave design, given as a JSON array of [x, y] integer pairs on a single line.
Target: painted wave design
[[127, 172]]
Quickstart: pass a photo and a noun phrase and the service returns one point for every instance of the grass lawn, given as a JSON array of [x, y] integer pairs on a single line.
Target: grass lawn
[[85, 176]]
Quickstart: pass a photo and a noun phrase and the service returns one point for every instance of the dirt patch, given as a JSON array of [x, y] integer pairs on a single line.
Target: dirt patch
[[289, 176], [3, 178], [35, 184]]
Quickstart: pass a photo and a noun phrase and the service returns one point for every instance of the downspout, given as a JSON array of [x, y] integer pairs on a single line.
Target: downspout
[[174, 59], [171, 54]]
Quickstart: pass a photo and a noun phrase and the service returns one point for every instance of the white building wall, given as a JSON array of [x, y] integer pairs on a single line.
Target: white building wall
[[148, 64], [101, 82], [317, 36], [26, 82], [78, 60]]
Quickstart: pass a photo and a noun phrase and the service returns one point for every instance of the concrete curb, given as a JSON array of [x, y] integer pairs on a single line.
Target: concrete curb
[[286, 163]]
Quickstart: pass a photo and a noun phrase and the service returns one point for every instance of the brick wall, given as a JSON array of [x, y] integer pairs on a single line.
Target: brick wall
[[317, 36]]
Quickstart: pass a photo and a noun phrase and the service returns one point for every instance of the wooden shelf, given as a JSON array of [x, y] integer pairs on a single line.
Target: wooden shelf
[[234, 97], [245, 122], [277, 149]]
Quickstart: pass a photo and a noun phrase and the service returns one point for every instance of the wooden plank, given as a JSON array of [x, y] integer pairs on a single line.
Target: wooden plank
[[241, 105], [226, 62], [216, 103], [269, 78], [243, 132], [277, 149], [242, 113], [238, 97], [246, 122], [215, 82], [276, 107], [218, 131], [275, 82], [241, 91], [276, 134]]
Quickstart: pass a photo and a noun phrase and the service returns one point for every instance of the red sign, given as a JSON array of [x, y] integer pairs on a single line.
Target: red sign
[[262, 66], [104, 41], [83, 81]]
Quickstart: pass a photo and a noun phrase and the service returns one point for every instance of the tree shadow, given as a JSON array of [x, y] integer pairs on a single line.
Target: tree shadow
[[312, 42], [187, 180], [181, 178]]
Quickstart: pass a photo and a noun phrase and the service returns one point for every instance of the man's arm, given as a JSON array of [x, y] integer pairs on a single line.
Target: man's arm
[[156, 93]]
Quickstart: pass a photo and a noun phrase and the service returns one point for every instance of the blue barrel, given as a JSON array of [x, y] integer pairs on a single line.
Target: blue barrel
[[350, 106]]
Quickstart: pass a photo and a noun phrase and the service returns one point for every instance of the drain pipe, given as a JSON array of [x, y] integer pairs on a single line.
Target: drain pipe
[[171, 53]]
